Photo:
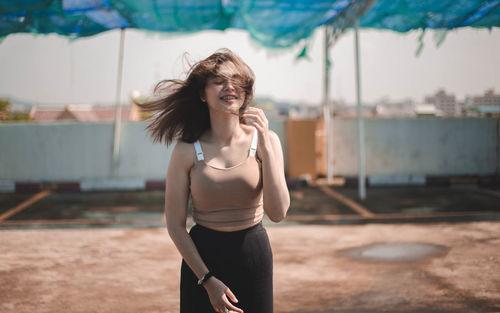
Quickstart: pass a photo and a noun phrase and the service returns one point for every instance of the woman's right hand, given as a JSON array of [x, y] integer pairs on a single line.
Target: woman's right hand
[[218, 294]]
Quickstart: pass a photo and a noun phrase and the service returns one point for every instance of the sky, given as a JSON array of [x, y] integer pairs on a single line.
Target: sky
[[51, 69]]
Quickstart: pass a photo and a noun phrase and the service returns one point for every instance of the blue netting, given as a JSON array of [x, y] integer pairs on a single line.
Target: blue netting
[[273, 23], [403, 16]]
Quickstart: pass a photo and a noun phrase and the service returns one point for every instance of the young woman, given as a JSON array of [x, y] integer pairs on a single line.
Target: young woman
[[231, 166]]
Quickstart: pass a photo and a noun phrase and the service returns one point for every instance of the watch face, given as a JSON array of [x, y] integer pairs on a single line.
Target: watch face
[[204, 278]]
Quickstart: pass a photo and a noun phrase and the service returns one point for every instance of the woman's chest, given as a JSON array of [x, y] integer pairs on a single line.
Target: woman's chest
[[246, 177]]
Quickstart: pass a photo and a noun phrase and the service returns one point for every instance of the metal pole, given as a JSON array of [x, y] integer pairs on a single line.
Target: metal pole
[[118, 112], [361, 130], [327, 109]]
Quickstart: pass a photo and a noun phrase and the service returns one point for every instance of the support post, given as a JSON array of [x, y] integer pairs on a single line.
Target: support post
[[118, 112], [327, 112], [361, 129]]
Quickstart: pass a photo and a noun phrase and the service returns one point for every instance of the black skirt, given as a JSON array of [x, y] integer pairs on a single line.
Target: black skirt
[[242, 260]]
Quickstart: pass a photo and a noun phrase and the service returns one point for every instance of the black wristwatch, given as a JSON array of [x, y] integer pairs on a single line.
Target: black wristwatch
[[204, 278]]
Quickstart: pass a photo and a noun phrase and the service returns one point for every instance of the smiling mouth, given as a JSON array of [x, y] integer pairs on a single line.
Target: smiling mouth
[[228, 98]]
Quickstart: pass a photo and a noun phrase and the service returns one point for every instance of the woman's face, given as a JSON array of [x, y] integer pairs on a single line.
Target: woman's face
[[221, 94]]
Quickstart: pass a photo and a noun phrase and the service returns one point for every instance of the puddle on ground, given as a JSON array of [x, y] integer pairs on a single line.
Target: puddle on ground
[[395, 252]]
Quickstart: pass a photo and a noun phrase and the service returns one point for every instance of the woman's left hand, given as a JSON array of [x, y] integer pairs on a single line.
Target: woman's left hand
[[256, 117]]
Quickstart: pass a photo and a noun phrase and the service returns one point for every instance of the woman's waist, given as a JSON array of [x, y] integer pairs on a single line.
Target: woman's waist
[[224, 229], [229, 220], [227, 209]]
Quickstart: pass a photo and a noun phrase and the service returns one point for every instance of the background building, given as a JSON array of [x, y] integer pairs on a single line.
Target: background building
[[445, 103], [489, 98], [485, 105]]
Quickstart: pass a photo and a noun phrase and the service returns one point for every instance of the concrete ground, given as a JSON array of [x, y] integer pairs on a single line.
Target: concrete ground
[[108, 252]]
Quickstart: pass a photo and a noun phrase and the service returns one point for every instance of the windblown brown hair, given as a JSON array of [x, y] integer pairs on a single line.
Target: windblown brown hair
[[180, 113]]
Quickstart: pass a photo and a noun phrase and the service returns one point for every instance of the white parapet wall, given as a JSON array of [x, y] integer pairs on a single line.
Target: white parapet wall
[[398, 151], [419, 147], [78, 152]]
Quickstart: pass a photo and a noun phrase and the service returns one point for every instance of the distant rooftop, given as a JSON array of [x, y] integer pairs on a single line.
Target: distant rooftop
[[83, 113]]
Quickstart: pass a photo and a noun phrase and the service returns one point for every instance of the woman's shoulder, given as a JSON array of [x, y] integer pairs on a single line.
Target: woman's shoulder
[[183, 154]]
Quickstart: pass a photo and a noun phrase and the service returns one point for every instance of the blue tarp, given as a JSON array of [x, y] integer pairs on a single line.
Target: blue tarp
[[273, 23]]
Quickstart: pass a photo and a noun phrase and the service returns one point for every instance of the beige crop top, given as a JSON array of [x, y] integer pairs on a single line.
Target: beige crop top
[[227, 198]]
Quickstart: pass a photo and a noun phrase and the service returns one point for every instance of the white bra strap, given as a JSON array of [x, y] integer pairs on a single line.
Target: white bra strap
[[199, 152], [255, 140]]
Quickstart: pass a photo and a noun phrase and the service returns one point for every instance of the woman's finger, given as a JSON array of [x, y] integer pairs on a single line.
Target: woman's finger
[[233, 308], [257, 111], [231, 295], [252, 122], [255, 116], [228, 304], [253, 113], [249, 120]]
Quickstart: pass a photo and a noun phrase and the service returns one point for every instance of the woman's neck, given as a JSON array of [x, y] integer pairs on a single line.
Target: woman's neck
[[225, 128]]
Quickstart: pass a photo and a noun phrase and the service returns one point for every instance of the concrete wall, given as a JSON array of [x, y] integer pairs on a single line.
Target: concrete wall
[[423, 146], [77, 151], [81, 152]]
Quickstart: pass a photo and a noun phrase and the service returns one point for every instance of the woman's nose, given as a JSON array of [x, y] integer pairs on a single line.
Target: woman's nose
[[228, 85]]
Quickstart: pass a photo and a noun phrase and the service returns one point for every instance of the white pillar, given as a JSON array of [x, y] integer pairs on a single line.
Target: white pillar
[[118, 112], [361, 129], [327, 111]]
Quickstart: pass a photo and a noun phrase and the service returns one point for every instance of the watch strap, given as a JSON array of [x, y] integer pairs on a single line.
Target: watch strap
[[204, 278]]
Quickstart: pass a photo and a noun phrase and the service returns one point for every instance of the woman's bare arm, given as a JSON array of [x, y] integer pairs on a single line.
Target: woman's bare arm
[[176, 201], [276, 195]]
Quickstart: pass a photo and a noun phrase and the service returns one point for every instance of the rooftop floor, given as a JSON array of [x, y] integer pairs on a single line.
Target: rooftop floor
[[402, 249]]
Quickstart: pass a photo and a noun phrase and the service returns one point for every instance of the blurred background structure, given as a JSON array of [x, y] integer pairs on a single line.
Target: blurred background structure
[[86, 147]]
